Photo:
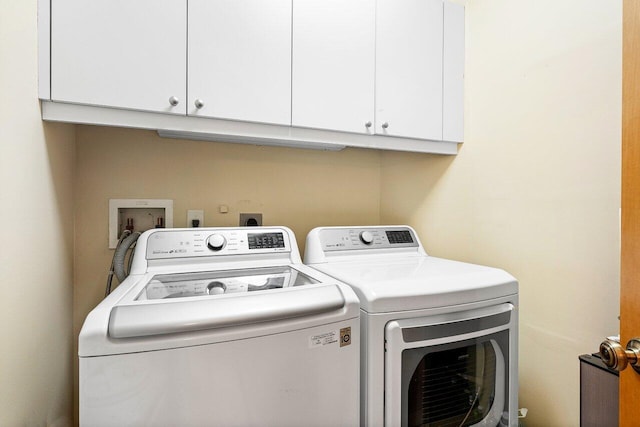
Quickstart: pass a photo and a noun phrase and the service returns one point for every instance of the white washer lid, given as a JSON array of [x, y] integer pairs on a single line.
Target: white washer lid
[[413, 283]]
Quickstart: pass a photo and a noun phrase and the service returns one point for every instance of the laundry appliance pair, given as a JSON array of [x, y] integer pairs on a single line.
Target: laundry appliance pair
[[226, 326]]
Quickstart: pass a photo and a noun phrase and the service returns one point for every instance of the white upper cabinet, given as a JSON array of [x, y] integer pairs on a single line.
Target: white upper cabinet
[[409, 52], [120, 53], [453, 78], [240, 60], [333, 64], [385, 74]]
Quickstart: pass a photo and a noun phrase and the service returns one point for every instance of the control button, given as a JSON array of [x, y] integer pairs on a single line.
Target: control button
[[215, 242], [366, 237], [216, 288]]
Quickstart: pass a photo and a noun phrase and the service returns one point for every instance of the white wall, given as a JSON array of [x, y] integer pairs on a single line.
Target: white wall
[[36, 213], [535, 188]]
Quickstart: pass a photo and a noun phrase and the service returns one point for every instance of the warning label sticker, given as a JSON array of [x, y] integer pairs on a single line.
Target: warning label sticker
[[343, 336], [323, 339]]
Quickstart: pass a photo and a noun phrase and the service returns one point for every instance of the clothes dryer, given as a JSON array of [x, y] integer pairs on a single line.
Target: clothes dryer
[[439, 337], [221, 327]]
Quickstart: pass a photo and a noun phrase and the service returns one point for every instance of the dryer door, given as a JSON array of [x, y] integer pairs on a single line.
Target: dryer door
[[450, 370]]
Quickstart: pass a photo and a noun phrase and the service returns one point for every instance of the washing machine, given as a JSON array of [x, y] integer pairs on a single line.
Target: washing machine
[[221, 327], [439, 337]]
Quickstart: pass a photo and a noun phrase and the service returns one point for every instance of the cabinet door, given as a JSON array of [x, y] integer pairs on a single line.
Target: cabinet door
[[240, 60], [409, 68], [453, 78], [333, 64], [120, 53]]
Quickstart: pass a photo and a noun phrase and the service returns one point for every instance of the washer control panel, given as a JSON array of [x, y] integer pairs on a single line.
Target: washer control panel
[[345, 239], [201, 242]]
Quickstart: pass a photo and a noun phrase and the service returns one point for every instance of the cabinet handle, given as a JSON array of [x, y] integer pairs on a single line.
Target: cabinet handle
[[385, 125], [199, 103], [174, 101], [368, 124]]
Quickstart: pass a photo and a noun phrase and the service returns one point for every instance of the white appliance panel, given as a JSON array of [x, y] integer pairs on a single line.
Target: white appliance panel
[[412, 283], [287, 379]]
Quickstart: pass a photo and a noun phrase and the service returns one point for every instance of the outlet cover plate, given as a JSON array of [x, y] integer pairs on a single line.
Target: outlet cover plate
[[195, 214], [250, 219]]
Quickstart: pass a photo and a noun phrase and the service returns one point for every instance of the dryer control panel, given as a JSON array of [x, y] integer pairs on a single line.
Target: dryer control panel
[[362, 238], [206, 242]]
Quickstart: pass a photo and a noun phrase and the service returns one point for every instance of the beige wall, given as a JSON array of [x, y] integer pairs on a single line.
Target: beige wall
[[294, 187], [36, 213], [535, 188]]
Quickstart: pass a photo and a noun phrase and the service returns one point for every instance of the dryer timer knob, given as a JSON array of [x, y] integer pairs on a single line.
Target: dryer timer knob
[[215, 242], [366, 237]]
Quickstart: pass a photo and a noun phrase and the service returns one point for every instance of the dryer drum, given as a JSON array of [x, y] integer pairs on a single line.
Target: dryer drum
[[455, 386]]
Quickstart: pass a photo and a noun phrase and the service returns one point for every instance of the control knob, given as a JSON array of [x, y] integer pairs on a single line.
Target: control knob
[[366, 237], [215, 242]]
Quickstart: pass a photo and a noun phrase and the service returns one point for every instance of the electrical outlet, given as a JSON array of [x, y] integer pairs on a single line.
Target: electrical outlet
[[195, 218], [250, 219]]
